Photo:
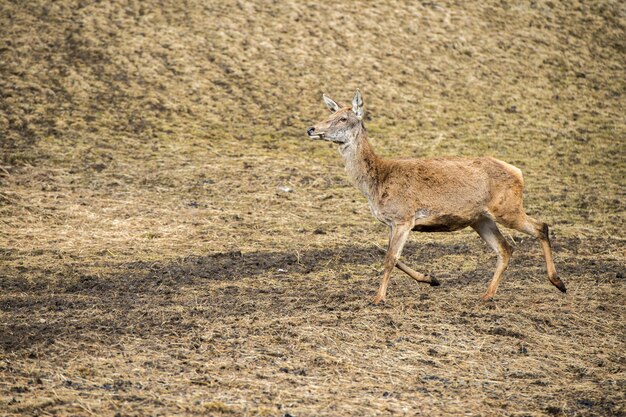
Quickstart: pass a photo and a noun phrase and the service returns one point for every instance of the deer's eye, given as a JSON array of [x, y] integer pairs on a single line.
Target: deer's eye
[[343, 119]]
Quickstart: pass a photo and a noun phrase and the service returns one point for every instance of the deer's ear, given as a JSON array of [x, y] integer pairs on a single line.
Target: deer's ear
[[357, 105], [330, 103]]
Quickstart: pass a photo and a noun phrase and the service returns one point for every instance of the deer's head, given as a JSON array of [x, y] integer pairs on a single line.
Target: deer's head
[[343, 125]]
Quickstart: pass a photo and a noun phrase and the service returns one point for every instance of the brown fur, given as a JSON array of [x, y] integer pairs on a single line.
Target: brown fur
[[433, 195]]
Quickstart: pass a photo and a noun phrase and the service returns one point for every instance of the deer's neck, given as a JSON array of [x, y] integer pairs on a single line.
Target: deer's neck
[[362, 163]]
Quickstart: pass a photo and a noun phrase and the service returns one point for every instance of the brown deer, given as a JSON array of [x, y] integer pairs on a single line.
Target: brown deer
[[432, 195]]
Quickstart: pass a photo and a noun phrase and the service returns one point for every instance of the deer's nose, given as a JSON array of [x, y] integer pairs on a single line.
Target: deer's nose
[[310, 131]]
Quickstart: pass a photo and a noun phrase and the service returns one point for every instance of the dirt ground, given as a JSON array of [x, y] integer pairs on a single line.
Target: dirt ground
[[172, 244]]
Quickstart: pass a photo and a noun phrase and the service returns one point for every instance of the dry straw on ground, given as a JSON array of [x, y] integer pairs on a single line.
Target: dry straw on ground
[[171, 244]]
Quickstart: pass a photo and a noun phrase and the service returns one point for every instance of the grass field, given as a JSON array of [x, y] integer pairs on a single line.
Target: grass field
[[171, 243]]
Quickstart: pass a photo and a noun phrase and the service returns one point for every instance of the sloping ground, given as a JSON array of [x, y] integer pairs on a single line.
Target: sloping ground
[[173, 245]]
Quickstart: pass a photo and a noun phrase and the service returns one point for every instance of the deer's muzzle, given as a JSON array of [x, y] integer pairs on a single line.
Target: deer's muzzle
[[313, 134]]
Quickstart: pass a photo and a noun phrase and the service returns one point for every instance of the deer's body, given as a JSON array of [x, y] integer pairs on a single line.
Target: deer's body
[[441, 194], [433, 195]]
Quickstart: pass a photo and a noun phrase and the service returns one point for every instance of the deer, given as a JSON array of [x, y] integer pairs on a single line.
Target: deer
[[441, 194]]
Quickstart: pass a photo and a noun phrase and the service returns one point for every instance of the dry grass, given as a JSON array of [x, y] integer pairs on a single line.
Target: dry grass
[[151, 264]]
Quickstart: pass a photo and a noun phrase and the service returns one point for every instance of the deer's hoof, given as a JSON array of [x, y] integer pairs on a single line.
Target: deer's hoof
[[378, 300], [487, 297], [556, 281], [433, 281]]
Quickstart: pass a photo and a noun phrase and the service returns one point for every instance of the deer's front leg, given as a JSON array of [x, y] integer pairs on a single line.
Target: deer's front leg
[[397, 239]]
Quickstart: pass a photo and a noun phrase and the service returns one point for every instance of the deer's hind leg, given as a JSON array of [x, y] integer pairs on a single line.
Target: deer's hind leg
[[530, 226], [488, 230]]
